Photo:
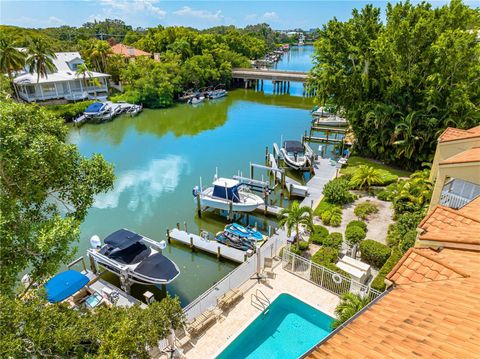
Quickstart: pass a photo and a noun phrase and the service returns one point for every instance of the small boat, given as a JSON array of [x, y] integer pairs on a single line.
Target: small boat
[[97, 109], [134, 256], [293, 153], [216, 93], [134, 110], [228, 194], [196, 99], [232, 241], [244, 232]]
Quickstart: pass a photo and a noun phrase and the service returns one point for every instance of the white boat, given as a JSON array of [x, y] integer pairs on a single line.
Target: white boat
[[134, 257], [334, 121], [196, 99], [212, 95], [228, 194], [134, 110], [293, 153]]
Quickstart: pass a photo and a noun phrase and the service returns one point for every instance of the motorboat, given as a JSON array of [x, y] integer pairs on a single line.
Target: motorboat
[[214, 94], [293, 153], [134, 257], [334, 121], [97, 109], [233, 241], [244, 232], [228, 194], [134, 110], [196, 99]]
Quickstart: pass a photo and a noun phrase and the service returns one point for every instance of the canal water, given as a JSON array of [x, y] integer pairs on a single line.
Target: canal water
[[160, 155]]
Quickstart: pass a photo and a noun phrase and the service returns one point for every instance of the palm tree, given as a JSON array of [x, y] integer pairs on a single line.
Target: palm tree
[[10, 58], [84, 72], [295, 216], [99, 53], [39, 58], [365, 177], [350, 304]]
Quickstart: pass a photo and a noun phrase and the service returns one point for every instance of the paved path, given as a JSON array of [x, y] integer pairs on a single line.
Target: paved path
[[324, 172]]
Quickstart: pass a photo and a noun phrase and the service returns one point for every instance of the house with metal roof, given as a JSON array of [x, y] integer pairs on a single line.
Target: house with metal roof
[[63, 83]]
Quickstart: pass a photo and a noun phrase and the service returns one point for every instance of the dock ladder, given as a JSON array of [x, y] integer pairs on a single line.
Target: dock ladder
[[260, 301]]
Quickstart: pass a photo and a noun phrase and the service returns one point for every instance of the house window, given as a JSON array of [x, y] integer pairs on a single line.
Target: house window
[[30, 89], [50, 87]]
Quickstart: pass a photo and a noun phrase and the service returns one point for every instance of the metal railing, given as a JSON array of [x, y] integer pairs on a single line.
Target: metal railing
[[325, 278], [452, 200], [236, 278]]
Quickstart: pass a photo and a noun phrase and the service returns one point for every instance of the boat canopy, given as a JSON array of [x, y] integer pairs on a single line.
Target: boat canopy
[[94, 107], [226, 188], [65, 284], [123, 238], [293, 146], [158, 266]]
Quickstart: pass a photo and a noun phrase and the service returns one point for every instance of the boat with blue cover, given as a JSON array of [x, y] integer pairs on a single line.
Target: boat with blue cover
[[244, 232]]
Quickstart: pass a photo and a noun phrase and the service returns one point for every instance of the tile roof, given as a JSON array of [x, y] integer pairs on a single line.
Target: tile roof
[[128, 51], [471, 155], [445, 224], [452, 134], [436, 315]]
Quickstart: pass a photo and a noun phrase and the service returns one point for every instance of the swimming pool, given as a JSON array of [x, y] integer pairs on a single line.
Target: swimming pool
[[288, 329]]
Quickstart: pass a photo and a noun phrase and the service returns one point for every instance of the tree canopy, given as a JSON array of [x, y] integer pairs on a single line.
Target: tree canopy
[[46, 189], [401, 82]]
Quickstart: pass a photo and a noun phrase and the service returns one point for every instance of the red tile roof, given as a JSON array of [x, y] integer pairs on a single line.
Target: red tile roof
[[452, 134], [128, 51]]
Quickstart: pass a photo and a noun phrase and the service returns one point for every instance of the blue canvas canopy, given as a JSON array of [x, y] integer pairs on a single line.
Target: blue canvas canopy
[[231, 193], [65, 284], [94, 107]]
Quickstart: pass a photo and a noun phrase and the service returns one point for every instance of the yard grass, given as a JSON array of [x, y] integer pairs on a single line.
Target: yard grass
[[355, 161]]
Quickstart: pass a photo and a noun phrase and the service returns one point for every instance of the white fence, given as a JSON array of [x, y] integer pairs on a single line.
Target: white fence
[[324, 277], [453, 200], [235, 278]]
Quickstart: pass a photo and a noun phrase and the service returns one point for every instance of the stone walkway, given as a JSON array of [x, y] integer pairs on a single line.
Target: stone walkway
[[231, 323]]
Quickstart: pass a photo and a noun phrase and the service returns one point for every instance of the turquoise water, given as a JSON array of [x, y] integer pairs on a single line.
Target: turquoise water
[[289, 329]]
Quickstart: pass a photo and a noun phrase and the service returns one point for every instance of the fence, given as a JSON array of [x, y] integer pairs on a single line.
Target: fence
[[236, 278], [324, 277]]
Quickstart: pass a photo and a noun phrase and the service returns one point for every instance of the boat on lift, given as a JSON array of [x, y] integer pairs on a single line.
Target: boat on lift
[[228, 194], [294, 155], [324, 117], [134, 257], [244, 232]]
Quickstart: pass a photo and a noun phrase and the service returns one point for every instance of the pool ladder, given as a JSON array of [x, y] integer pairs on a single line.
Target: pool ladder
[[260, 301]]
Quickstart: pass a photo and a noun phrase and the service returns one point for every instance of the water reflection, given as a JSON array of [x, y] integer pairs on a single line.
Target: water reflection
[[144, 186]]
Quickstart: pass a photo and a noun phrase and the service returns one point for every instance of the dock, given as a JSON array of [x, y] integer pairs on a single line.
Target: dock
[[210, 246], [293, 187], [270, 210], [324, 172]]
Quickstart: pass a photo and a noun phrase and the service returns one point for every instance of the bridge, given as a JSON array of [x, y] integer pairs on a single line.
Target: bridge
[[272, 75]]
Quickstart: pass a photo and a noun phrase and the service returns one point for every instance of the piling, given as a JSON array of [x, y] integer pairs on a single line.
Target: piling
[[168, 236], [219, 252], [199, 206], [192, 247], [93, 267]]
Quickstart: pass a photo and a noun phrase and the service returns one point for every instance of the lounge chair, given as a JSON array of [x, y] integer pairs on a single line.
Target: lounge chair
[[268, 268], [229, 298], [202, 321]]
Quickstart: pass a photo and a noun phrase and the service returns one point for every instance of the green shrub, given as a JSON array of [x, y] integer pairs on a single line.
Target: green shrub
[[302, 246], [393, 238], [336, 191], [408, 240], [325, 255], [374, 253], [334, 240], [354, 235], [323, 206], [356, 223], [69, 111], [364, 209], [336, 217], [379, 281], [384, 195], [319, 234], [295, 250]]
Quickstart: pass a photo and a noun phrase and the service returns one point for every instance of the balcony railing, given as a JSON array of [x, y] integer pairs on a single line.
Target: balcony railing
[[452, 200]]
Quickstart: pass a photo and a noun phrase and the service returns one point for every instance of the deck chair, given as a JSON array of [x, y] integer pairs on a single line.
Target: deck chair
[[268, 268]]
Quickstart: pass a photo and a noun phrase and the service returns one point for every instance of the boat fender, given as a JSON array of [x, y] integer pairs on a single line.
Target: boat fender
[[95, 241], [195, 191]]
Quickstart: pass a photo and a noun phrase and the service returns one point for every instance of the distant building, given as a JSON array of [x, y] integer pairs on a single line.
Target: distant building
[[64, 83], [128, 51]]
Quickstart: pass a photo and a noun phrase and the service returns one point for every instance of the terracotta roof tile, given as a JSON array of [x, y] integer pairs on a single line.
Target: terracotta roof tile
[[452, 134], [471, 155], [128, 51]]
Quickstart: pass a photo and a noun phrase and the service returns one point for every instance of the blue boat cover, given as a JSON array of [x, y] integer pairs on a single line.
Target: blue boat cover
[[65, 284], [232, 193], [123, 238], [94, 107]]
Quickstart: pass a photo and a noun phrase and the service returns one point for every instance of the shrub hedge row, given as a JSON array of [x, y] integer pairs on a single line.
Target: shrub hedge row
[[374, 253], [379, 281], [69, 111]]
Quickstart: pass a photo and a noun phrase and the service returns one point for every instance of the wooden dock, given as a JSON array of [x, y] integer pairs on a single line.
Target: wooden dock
[[293, 187], [270, 210], [210, 246]]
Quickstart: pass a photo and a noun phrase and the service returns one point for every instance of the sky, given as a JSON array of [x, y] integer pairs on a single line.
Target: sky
[[198, 14]]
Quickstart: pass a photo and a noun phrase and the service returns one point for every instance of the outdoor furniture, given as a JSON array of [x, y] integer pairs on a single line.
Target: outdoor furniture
[[202, 321], [268, 268], [229, 298]]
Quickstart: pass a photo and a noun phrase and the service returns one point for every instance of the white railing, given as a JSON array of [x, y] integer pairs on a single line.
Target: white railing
[[453, 200], [234, 279], [327, 279]]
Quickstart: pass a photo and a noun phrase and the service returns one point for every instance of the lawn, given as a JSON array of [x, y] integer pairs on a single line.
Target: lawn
[[355, 161]]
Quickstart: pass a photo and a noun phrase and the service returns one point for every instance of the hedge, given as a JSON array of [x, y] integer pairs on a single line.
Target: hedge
[[334, 240], [379, 281], [325, 255], [337, 191], [363, 210], [356, 223], [354, 235], [319, 234], [69, 111], [303, 246], [374, 253]]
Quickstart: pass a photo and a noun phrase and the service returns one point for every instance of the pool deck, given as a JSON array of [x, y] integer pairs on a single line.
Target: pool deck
[[209, 343]]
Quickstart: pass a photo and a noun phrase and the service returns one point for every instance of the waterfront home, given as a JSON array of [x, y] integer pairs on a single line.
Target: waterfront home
[[128, 52], [63, 84], [431, 306]]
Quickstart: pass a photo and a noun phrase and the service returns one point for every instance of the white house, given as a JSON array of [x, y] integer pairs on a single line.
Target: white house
[[64, 83]]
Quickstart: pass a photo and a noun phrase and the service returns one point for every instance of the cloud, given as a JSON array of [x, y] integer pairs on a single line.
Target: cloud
[[267, 16], [142, 187], [272, 15], [202, 14], [51, 21], [127, 7]]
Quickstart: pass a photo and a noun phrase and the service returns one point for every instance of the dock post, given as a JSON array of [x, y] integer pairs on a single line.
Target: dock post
[[185, 226], [230, 210], [178, 225], [199, 207], [251, 171], [219, 252], [266, 200], [283, 179], [168, 236], [288, 87], [290, 192], [266, 153], [93, 267], [192, 247]]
